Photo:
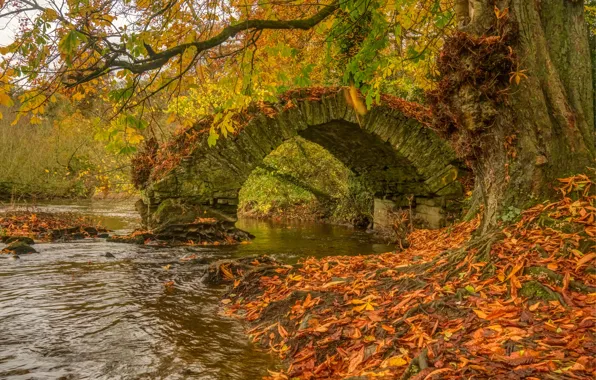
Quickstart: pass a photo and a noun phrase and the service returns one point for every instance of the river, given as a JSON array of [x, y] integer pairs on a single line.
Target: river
[[68, 312]]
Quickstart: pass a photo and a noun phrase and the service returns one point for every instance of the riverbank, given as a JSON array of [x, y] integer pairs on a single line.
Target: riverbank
[[517, 303]]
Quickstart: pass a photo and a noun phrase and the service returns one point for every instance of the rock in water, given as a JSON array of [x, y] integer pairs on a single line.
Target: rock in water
[[109, 255], [19, 248], [14, 257]]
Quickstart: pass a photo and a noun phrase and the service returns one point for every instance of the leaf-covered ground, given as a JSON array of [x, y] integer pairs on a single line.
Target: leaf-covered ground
[[518, 303]]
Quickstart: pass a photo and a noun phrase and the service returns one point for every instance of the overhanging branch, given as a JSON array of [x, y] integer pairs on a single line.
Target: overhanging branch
[[112, 60]]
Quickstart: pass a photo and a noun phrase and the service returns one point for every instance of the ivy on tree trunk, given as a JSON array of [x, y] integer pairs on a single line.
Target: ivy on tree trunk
[[522, 128]]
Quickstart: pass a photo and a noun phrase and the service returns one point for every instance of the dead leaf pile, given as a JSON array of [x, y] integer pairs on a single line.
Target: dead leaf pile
[[46, 226], [520, 303]]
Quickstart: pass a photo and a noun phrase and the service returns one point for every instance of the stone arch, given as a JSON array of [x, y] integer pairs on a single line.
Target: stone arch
[[394, 154]]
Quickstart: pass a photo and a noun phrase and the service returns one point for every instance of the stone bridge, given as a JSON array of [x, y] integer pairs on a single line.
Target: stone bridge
[[395, 156]]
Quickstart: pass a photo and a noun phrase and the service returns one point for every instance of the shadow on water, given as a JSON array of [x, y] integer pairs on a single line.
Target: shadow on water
[[70, 313]]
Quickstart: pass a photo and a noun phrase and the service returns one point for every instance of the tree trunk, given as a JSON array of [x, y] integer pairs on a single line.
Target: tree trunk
[[519, 137]]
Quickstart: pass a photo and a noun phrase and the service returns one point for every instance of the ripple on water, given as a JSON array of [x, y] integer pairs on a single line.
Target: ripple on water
[[69, 312]]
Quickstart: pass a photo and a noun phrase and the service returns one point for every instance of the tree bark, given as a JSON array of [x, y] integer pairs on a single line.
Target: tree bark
[[544, 127]]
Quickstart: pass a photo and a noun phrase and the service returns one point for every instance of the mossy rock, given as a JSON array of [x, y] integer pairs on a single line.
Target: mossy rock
[[12, 239], [19, 248], [534, 289]]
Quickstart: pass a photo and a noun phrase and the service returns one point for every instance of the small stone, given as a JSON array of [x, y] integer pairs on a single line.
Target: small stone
[[109, 255], [103, 236], [14, 257]]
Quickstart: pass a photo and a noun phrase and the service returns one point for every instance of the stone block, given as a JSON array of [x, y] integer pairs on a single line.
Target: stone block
[[430, 214]]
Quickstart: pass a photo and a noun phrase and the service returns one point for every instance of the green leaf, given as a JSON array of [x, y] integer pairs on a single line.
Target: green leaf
[[397, 30], [213, 136], [134, 122], [70, 41], [127, 150], [120, 95]]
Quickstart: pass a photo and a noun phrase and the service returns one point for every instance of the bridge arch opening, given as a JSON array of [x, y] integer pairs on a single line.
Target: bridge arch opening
[[301, 180]]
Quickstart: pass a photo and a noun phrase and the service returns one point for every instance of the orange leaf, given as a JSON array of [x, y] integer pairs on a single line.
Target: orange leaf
[[515, 269], [356, 360], [436, 372], [584, 260], [282, 332], [515, 282]]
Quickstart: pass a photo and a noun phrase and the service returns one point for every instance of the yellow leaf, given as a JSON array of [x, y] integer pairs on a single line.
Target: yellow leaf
[[356, 102], [332, 283], [227, 274], [360, 308], [395, 361], [78, 96], [480, 313], [35, 120], [171, 118], [5, 99], [50, 14]]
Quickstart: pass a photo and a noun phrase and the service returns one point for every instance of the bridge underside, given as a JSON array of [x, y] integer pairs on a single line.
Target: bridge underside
[[405, 164]]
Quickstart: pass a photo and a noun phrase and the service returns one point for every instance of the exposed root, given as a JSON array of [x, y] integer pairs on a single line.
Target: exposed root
[[418, 364], [229, 270]]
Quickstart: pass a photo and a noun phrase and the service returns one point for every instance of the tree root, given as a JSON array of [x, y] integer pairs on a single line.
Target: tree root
[[419, 363], [238, 269], [482, 244], [553, 277]]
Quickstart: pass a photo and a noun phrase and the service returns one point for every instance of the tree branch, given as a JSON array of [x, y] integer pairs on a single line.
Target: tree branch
[[159, 59]]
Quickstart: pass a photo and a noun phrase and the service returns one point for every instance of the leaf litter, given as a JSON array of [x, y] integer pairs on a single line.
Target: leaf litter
[[518, 303]]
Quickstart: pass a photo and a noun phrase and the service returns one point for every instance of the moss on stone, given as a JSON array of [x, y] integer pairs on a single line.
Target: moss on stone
[[534, 289]]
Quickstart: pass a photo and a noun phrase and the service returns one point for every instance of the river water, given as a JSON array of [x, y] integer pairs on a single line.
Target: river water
[[68, 312]]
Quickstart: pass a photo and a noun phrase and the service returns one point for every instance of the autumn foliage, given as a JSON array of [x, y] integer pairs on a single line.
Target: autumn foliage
[[517, 303], [154, 161]]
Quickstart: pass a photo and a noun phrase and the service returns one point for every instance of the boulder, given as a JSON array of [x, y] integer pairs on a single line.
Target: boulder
[[18, 248]]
